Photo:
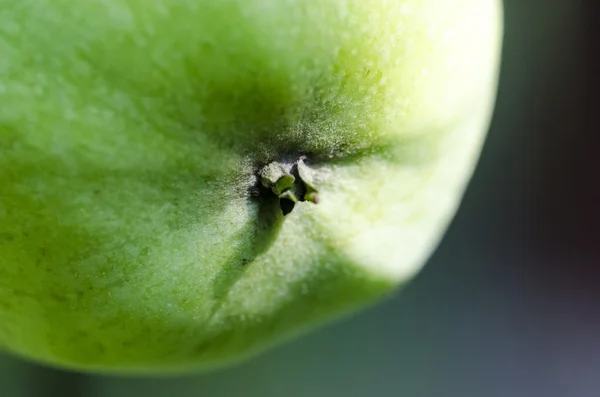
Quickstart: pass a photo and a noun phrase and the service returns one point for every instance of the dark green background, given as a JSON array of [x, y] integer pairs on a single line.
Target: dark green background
[[507, 306]]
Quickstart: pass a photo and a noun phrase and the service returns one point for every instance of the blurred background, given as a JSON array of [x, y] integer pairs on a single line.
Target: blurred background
[[509, 304]]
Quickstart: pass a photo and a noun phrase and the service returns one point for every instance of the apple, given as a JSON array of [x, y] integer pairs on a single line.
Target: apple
[[184, 183]]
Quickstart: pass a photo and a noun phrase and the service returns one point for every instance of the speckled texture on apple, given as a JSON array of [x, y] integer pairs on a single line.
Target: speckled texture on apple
[[130, 136]]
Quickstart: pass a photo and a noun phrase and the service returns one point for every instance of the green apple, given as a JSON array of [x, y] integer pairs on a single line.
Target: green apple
[[186, 182]]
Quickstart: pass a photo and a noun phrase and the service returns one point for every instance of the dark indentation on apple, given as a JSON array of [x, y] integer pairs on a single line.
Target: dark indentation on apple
[[260, 233]]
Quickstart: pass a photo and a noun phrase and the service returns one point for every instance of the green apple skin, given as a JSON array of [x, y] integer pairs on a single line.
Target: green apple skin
[[131, 134]]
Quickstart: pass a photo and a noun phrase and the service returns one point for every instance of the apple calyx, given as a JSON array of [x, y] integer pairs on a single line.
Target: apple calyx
[[290, 181]]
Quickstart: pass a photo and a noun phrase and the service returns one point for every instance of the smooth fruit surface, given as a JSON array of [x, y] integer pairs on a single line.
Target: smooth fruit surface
[[132, 138]]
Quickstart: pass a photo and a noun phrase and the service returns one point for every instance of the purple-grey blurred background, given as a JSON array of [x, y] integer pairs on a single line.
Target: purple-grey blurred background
[[508, 306]]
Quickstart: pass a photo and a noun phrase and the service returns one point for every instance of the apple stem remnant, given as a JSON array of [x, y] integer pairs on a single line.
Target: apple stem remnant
[[290, 181]]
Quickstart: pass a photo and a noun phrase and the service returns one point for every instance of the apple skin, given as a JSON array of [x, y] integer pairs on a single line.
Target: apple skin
[[131, 134]]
